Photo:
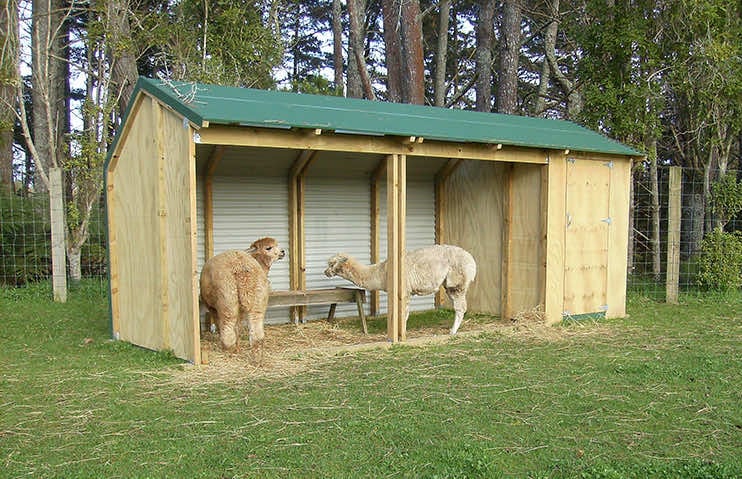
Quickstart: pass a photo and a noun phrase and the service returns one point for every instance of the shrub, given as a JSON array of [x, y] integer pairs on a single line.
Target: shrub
[[720, 263]]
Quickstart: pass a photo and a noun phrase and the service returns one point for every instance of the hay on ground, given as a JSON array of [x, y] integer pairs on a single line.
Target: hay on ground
[[289, 349]]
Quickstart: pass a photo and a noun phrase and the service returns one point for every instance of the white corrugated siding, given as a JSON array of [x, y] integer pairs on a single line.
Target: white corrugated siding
[[200, 248], [336, 219], [420, 230], [248, 208]]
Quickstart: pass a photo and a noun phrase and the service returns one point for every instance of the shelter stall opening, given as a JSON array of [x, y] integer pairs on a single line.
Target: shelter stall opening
[[541, 204]]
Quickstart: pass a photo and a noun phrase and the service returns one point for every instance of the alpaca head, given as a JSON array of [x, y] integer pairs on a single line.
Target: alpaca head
[[336, 265], [266, 251]]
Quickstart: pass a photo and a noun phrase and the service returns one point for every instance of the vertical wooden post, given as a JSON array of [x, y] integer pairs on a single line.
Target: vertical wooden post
[[674, 206], [395, 244], [113, 253], [507, 242], [56, 213], [208, 179], [193, 232], [162, 213], [375, 227], [297, 251]]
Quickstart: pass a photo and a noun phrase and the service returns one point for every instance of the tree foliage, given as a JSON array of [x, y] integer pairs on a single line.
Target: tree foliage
[[665, 77], [217, 41]]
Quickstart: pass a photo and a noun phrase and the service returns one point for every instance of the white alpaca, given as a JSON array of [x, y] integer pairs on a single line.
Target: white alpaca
[[427, 269]]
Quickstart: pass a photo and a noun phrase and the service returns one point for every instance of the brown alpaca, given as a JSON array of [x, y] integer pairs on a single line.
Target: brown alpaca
[[234, 285]]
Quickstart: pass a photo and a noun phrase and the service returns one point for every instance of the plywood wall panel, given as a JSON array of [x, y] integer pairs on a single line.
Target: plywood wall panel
[[179, 233], [618, 243], [526, 249], [135, 224], [586, 253], [555, 238], [474, 219]]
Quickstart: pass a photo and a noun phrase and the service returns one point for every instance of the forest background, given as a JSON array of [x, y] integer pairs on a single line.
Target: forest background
[[664, 76]]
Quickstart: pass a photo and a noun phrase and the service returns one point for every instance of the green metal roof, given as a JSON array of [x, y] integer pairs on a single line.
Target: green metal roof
[[202, 103]]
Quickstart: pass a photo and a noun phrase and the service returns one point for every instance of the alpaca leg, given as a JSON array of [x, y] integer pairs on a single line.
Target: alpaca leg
[[228, 330], [459, 306], [406, 314], [255, 327]]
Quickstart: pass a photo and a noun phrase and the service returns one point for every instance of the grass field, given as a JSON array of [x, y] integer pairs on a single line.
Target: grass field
[[657, 394]]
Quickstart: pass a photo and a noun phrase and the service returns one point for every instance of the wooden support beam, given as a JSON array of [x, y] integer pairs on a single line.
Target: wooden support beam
[[297, 250], [162, 213], [113, 254], [193, 230], [384, 145], [395, 244], [544, 224], [208, 178], [375, 191], [507, 247], [403, 298]]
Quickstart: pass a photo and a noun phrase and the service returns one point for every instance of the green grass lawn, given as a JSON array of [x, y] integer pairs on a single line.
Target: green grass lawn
[[657, 394]]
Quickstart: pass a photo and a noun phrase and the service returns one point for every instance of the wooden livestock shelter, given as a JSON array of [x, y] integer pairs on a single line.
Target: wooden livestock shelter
[[196, 169]]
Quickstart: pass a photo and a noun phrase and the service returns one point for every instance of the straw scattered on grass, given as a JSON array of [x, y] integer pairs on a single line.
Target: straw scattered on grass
[[290, 349]]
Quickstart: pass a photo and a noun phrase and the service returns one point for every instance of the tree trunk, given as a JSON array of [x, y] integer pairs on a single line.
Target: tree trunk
[[507, 84], [393, 50], [8, 62], [442, 53], [485, 31], [49, 78], [337, 44], [655, 209], [121, 54], [550, 38], [355, 46], [413, 85], [357, 21]]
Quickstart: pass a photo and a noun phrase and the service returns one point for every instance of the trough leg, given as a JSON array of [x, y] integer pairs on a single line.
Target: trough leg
[[361, 313], [331, 314]]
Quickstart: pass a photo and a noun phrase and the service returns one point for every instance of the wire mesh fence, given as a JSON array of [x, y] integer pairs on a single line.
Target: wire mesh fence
[[25, 244], [702, 252]]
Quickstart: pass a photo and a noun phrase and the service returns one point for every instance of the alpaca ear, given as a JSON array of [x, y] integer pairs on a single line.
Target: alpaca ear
[[251, 249], [342, 259]]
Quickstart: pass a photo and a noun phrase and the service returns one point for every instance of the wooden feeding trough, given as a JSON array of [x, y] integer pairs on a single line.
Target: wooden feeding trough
[[197, 169]]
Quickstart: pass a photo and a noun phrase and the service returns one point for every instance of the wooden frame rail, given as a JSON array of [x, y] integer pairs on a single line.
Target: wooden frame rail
[[314, 297]]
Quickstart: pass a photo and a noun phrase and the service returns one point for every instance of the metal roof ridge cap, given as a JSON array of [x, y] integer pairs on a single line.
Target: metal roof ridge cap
[[164, 93]]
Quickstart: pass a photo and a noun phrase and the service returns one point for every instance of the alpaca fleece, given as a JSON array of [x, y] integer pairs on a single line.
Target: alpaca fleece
[[234, 285], [427, 269]]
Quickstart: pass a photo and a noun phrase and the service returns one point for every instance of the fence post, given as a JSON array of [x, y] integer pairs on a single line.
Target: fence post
[[674, 204], [56, 214]]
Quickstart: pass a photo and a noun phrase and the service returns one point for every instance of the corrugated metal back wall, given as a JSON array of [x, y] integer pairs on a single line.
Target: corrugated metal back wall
[[248, 208], [337, 219]]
